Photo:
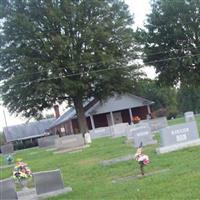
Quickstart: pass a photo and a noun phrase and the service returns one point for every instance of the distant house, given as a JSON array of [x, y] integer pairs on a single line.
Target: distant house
[[116, 109], [26, 131]]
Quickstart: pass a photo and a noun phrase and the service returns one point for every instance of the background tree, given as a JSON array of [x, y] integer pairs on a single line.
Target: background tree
[[172, 40], [64, 50], [189, 98], [165, 97]]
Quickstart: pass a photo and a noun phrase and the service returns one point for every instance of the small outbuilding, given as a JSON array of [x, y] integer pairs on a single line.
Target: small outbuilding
[[26, 132]]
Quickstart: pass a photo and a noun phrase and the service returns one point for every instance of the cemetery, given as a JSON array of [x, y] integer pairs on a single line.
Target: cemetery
[[108, 167]]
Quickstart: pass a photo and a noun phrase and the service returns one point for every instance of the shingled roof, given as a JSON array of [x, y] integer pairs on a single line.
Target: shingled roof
[[27, 130]]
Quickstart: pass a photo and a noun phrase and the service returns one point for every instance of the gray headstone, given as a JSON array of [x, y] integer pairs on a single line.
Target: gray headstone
[[119, 130], [48, 181], [100, 132], [140, 132], [7, 189], [70, 142], [157, 123], [7, 149], [178, 136], [47, 141], [189, 116]]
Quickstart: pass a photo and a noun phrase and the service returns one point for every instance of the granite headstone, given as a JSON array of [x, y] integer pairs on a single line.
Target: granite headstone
[[140, 132], [189, 116], [49, 183], [47, 141], [178, 136], [7, 149], [100, 132], [119, 130], [7, 189]]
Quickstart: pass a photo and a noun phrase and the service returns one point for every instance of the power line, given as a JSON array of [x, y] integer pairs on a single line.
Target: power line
[[101, 70], [92, 63]]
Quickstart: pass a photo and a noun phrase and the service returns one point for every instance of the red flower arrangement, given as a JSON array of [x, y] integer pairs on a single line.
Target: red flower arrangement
[[136, 119]]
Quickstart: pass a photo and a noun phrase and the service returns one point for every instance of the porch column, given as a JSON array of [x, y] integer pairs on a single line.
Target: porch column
[[112, 119], [92, 123], [130, 114], [71, 127], [149, 110]]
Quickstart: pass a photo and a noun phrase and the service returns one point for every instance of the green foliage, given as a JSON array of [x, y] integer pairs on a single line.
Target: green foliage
[[163, 96], [68, 50], [60, 50], [171, 40], [189, 98]]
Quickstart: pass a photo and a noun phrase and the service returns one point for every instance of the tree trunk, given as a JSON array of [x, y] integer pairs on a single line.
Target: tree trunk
[[78, 104]]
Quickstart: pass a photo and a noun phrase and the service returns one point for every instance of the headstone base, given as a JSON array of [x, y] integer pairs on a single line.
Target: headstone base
[[55, 193], [69, 150], [175, 147]]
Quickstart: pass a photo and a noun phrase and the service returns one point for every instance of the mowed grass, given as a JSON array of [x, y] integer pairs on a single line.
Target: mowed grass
[[90, 180]]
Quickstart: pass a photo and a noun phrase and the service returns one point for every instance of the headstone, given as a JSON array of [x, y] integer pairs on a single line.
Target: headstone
[[7, 189], [88, 138], [100, 132], [47, 141], [49, 183], [178, 136], [140, 132], [157, 123], [189, 116], [70, 142], [7, 149], [119, 130]]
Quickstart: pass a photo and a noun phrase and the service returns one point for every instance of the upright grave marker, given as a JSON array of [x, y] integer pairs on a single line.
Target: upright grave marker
[[189, 116], [7, 149], [48, 141], [69, 143], [119, 130], [157, 123], [7, 189], [49, 183], [100, 132], [140, 133], [178, 136]]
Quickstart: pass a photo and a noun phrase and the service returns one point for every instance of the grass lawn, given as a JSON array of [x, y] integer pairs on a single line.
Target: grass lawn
[[90, 180]]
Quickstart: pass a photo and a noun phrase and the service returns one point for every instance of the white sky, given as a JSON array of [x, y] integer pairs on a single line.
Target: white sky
[[137, 7]]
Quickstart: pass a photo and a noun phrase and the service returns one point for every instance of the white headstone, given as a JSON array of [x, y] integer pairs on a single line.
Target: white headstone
[[88, 138]]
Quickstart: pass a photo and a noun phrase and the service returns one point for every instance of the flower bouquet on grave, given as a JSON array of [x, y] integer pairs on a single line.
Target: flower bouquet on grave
[[141, 158], [22, 173], [136, 119]]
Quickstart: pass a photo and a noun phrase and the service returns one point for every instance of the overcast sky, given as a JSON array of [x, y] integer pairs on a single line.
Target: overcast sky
[[137, 7]]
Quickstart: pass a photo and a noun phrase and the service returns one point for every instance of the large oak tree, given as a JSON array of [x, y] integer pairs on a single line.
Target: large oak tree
[[64, 50]]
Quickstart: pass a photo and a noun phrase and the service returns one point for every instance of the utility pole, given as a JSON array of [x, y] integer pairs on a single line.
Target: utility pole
[[5, 118]]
